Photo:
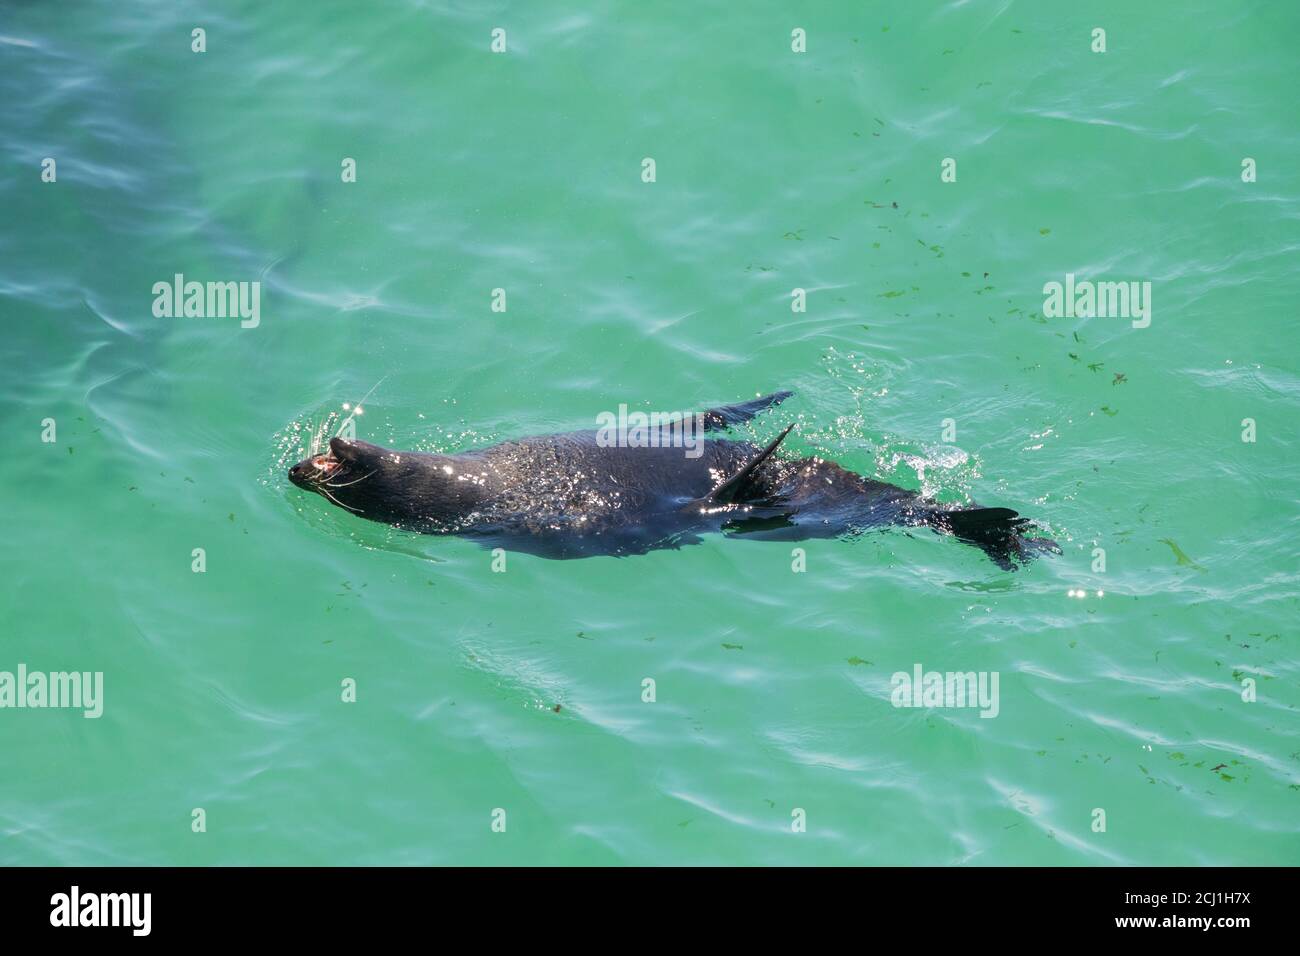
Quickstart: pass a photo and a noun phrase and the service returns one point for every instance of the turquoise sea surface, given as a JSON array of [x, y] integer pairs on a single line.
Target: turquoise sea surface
[[1148, 675]]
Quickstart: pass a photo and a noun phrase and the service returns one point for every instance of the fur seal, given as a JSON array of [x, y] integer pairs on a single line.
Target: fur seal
[[574, 495]]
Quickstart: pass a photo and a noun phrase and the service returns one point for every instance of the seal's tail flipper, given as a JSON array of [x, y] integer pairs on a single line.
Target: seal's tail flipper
[[716, 419], [998, 532]]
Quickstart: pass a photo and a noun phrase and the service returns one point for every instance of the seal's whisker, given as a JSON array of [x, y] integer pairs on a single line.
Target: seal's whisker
[[351, 483], [314, 448], [321, 489]]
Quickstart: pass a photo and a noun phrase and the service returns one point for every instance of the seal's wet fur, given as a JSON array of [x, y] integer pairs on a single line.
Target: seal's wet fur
[[568, 495]]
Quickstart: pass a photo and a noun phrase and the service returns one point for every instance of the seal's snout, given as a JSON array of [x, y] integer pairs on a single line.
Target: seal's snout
[[312, 471], [298, 474]]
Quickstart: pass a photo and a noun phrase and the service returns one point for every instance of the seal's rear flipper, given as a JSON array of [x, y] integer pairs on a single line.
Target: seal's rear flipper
[[998, 532], [739, 487], [716, 419]]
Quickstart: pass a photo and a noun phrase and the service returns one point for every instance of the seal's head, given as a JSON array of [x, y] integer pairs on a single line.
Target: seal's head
[[335, 474], [408, 489]]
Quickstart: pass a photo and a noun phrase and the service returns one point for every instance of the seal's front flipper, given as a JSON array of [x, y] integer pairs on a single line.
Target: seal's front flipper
[[739, 487], [775, 526], [998, 532], [716, 419]]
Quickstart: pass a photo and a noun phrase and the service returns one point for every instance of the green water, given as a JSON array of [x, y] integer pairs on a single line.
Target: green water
[[775, 170]]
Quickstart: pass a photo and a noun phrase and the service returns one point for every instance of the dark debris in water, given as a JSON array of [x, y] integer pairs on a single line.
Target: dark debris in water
[[1183, 559]]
